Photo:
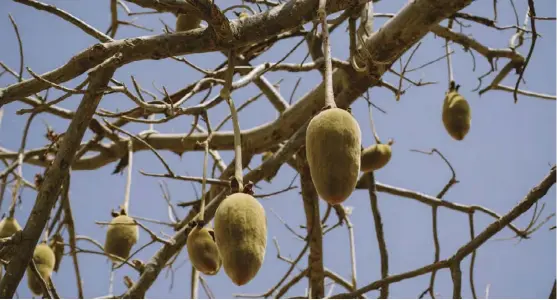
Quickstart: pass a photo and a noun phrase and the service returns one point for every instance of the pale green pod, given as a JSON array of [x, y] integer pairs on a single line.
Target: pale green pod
[[203, 251], [375, 157], [241, 235], [333, 149], [121, 236], [8, 226], [456, 115], [44, 259]]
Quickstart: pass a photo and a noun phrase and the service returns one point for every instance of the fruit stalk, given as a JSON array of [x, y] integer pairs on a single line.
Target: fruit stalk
[[129, 177], [329, 95], [375, 136], [448, 53], [225, 93]]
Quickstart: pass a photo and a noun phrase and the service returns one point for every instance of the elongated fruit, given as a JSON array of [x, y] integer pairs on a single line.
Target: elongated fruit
[[185, 22], [241, 235], [8, 226], [203, 251], [456, 114], [44, 259], [333, 148], [375, 157], [122, 234]]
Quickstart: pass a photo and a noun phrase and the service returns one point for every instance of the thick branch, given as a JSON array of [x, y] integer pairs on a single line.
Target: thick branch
[[314, 229], [54, 176], [258, 28]]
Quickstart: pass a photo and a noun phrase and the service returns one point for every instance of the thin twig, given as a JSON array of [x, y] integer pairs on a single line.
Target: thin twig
[[532, 15], [69, 220], [21, 60], [384, 294], [473, 258]]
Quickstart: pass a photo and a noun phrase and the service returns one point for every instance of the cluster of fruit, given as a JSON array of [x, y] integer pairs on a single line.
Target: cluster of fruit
[[43, 256], [335, 156], [237, 242]]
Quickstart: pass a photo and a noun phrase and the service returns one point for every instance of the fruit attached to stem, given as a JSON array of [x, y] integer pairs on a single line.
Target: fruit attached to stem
[[456, 113], [241, 236], [333, 149], [203, 251]]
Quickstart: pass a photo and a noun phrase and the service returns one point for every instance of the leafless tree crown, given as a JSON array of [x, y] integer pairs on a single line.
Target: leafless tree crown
[[243, 33]]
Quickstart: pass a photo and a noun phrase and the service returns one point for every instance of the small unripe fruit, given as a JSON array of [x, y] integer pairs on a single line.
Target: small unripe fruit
[[8, 226], [122, 234], [203, 251], [44, 259], [241, 235], [375, 157], [333, 149], [185, 22], [456, 114]]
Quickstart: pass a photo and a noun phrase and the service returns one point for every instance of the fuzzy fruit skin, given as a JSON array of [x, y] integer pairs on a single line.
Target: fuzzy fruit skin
[[203, 252], [121, 237], [44, 259], [185, 22], [456, 115], [241, 235], [333, 149], [8, 226], [375, 157]]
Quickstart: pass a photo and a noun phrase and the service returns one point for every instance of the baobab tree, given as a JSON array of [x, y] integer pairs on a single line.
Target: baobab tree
[[153, 113]]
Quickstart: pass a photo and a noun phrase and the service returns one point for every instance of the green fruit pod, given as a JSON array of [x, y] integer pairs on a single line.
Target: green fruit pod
[[185, 22], [241, 235], [333, 149], [44, 259], [456, 115], [203, 251], [8, 226], [122, 234], [375, 157]]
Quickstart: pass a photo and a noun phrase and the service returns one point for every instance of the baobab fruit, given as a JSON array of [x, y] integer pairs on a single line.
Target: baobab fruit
[[187, 21], [375, 157], [241, 236], [456, 113], [44, 259], [333, 149], [122, 234], [8, 226], [203, 251]]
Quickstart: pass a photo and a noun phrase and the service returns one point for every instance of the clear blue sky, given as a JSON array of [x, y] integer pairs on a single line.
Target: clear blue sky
[[508, 150]]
